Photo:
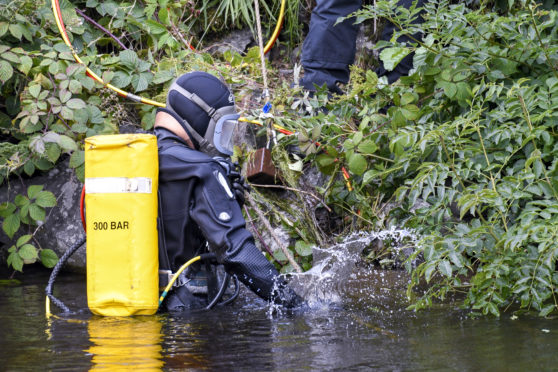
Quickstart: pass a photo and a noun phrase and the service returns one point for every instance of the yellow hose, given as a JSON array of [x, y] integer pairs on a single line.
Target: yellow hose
[[47, 308], [62, 29], [278, 26], [176, 275], [93, 75]]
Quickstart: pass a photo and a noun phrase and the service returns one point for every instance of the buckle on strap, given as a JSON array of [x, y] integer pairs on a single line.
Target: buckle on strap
[[165, 277], [181, 280]]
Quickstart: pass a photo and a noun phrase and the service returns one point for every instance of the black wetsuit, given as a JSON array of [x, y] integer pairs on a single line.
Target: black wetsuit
[[198, 208]]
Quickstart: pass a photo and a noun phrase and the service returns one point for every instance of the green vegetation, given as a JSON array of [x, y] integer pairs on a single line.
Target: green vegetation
[[472, 134], [462, 150]]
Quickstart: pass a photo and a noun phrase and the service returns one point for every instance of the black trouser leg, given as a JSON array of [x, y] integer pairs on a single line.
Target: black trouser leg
[[329, 49], [403, 68]]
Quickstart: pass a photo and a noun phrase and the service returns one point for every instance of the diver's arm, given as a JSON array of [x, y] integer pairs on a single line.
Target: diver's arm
[[219, 216]]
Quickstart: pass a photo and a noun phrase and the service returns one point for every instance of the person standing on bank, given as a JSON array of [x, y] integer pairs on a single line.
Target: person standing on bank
[[199, 204], [329, 49]]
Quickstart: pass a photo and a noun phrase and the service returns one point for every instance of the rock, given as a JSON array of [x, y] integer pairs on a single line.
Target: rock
[[237, 41], [63, 224]]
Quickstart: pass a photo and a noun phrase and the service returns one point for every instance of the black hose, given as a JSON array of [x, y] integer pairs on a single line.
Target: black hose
[[221, 292], [207, 257], [55, 271], [235, 294]]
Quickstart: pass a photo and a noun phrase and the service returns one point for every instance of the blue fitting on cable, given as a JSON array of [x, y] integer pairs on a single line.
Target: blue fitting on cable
[[267, 108]]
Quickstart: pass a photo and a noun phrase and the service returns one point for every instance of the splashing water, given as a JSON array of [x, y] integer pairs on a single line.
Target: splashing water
[[331, 279]]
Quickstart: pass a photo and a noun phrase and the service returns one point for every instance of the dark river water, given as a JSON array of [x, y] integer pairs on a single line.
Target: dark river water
[[357, 323]]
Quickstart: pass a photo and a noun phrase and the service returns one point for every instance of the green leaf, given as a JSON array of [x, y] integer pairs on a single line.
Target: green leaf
[[547, 310], [53, 152], [398, 119], [95, 115], [43, 164], [75, 104], [129, 59], [368, 176], [456, 259], [23, 239], [36, 212], [5, 120], [67, 143], [450, 89], [46, 199], [29, 168], [75, 87], [65, 96], [80, 173], [302, 248], [9, 56], [24, 213], [410, 112], [148, 120], [34, 190], [164, 16], [21, 200], [141, 81], [80, 127], [367, 147], [279, 255], [28, 252], [53, 68], [392, 56], [496, 75], [6, 209], [48, 258], [429, 271], [11, 225], [163, 76], [6, 71], [445, 268], [3, 28], [67, 113], [77, 158], [357, 164], [121, 79], [325, 160], [407, 98], [34, 90], [15, 261], [155, 28], [16, 31], [492, 309]]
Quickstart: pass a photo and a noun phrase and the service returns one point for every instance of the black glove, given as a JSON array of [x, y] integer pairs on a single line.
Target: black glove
[[285, 296], [252, 268], [238, 184]]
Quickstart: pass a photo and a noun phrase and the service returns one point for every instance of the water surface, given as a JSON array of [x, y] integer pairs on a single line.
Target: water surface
[[355, 323]]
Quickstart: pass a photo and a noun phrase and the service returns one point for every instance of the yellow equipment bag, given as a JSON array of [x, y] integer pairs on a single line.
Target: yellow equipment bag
[[121, 179]]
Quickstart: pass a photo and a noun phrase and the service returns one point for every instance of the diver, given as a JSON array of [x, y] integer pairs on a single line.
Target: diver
[[201, 193]]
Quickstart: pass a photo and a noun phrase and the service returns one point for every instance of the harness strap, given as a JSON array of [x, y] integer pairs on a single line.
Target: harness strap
[[194, 98]]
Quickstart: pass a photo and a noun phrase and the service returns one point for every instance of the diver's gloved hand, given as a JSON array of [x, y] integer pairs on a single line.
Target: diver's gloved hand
[[285, 296], [238, 184], [257, 273]]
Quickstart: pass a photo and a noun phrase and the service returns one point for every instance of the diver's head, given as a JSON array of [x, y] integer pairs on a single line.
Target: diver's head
[[206, 107]]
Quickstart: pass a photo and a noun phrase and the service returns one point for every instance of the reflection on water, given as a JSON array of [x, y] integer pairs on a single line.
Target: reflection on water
[[125, 343], [357, 321]]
